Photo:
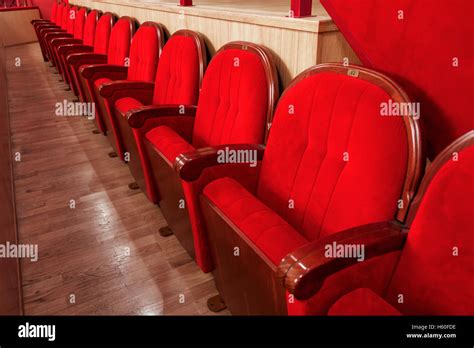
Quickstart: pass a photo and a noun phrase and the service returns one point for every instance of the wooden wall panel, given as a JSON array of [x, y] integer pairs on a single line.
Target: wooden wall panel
[[10, 298], [15, 26], [295, 43]]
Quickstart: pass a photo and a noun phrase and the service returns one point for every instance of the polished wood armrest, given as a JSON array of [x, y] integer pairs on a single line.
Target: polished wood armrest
[[42, 26], [38, 21], [142, 91], [136, 118], [56, 34], [74, 48], [95, 71], [304, 270], [190, 165], [47, 30], [58, 41], [86, 58]]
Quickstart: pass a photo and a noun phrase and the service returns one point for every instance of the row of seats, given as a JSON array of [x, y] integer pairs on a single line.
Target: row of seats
[[329, 172]]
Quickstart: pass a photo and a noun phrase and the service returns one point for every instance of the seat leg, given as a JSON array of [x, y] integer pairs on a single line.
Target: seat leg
[[216, 304], [133, 186], [113, 154], [165, 231]]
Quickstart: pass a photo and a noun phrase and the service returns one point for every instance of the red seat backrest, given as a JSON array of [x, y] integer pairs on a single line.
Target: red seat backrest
[[65, 17], [235, 103], [71, 22], [102, 33], [332, 161], [59, 14], [145, 51], [80, 22], [180, 70], [54, 10], [435, 272], [120, 40], [89, 28]]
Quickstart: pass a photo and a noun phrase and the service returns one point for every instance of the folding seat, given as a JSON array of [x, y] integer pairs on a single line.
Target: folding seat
[[56, 12], [235, 105], [75, 52], [64, 46], [69, 33], [434, 269], [145, 51], [178, 79], [43, 31], [332, 162], [76, 37]]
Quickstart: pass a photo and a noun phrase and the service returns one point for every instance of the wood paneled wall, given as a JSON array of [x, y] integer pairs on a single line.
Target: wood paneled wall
[[15, 26], [297, 44], [10, 288]]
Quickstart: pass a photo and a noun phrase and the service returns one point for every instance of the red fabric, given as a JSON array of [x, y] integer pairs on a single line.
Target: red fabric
[[80, 22], [59, 14], [304, 160], [71, 22], [168, 142], [89, 28], [101, 81], [233, 102], [144, 55], [362, 302], [273, 235], [119, 44], [65, 17], [432, 280], [102, 34], [426, 71], [177, 77]]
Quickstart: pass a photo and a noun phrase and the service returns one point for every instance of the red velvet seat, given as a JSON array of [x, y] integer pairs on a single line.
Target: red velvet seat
[[46, 22], [72, 53], [62, 28], [235, 106], [178, 79], [63, 47], [434, 274], [76, 37], [332, 162], [145, 51]]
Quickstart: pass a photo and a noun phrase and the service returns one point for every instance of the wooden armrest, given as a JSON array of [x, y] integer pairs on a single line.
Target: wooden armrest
[[86, 58], [74, 48], [190, 165], [142, 91], [304, 270], [56, 34], [47, 30], [95, 71], [136, 118], [34, 21], [42, 26], [58, 41]]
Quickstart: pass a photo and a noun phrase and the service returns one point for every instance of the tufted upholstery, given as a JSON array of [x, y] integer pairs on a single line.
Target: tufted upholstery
[[144, 54], [177, 77], [304, 160], [102, 34], [59, 14], [71, 19], [443, 222], [233, 103], [119, 43], [80, 23]]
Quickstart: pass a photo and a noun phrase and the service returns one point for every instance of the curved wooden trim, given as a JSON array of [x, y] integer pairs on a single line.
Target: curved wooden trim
[[443, 157], [201, 48], [137, 117], [416, 160], [190, 165], [270, 70]]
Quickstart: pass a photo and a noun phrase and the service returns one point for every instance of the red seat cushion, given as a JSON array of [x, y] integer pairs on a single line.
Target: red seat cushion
[[362, 301], [123, 105], [168, 142], [101, 81], [273, 235]]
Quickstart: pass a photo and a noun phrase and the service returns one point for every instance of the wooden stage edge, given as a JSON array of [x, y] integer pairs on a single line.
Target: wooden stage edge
[[297, 43]]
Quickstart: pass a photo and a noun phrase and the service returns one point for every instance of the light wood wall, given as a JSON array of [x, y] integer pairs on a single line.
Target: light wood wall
[[15, 26], [297, 44]]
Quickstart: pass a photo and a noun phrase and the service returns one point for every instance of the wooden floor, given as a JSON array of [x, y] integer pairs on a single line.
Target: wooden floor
[[106, 252]]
